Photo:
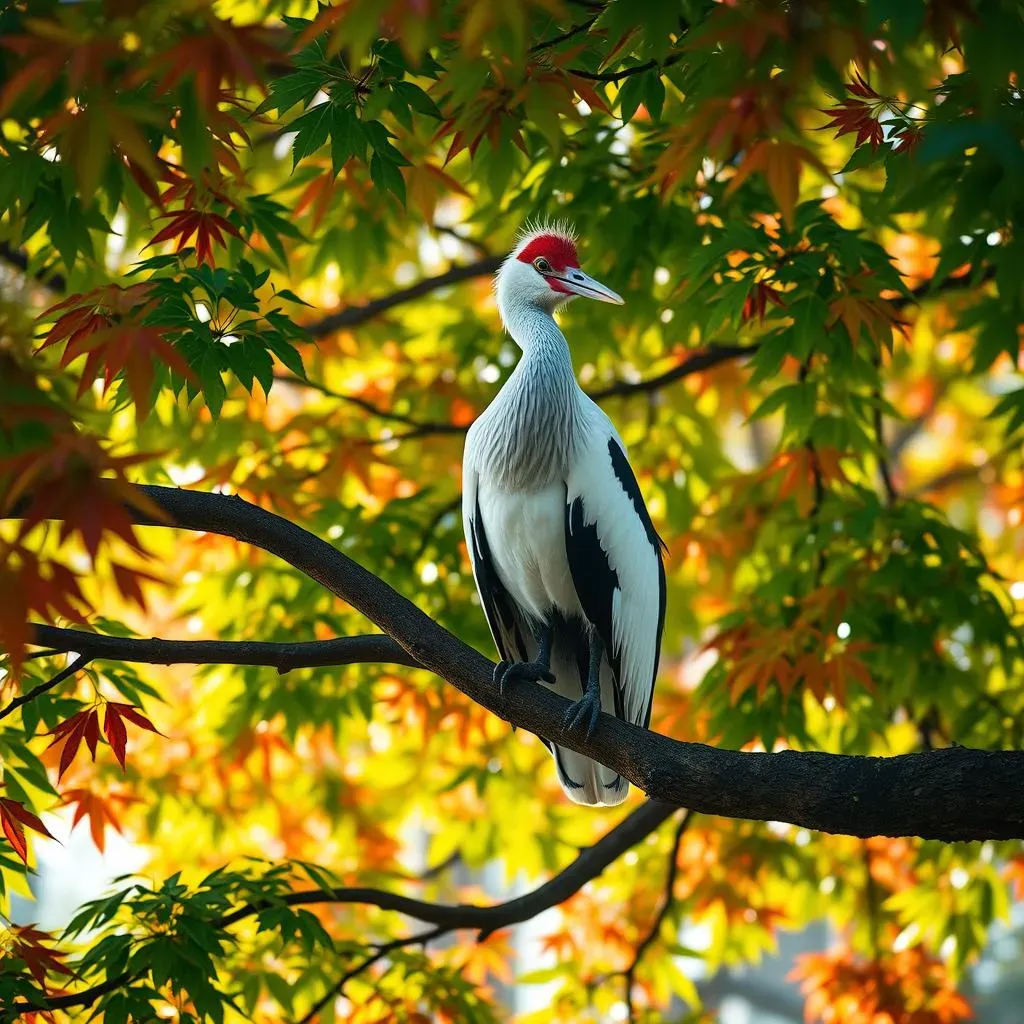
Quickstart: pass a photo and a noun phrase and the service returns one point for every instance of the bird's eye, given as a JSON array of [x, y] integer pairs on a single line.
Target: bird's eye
[[542, 265]]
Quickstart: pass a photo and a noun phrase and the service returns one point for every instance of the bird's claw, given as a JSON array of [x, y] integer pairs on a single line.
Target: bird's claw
[[584, 713], [508, 672]]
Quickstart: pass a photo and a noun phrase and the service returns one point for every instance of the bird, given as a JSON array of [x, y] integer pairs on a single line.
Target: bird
[[565, 556]]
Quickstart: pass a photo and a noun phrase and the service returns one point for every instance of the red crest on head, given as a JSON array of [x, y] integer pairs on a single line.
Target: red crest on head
[[558, 250]]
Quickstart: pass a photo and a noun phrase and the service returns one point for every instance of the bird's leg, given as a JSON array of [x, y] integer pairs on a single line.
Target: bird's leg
[[586, 711], [506, 672]]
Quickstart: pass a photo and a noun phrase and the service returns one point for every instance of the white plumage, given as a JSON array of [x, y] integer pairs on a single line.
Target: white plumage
[[564, 553]]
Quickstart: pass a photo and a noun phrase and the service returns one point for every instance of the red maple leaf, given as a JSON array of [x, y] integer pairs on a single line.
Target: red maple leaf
[[71, 732], [98, 809], [15, 817], [28, 944], [207, 227], [108, 327], [114, 728]]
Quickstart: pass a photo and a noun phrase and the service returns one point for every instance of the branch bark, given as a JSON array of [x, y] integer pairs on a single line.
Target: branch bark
[[343, 650], [949, 794]]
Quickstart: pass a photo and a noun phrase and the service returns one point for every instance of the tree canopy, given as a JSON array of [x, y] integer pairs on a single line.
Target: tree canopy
[[246, 318]]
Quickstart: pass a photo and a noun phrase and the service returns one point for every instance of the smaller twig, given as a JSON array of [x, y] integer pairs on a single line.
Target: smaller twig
[[379, 953], [583, 26], [431, 426], [666, 906], [481, 249], [79, 663]]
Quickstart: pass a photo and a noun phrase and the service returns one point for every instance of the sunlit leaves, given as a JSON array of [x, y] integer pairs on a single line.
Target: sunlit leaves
[[909, 987], [85, 725], [196, 184]]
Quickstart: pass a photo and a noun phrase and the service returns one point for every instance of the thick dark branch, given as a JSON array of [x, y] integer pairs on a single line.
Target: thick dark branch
[[950, 794], [588, 865], [343, 650], [352, 316]]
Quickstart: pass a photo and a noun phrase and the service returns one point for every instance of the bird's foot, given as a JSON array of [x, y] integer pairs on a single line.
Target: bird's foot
[[508, 672], [584, 714]]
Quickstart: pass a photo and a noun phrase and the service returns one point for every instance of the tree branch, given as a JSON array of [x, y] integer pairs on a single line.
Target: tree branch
[[79, 663], [343, 650], [379, 953], [487, 919], [583, 26], [706, 359], [352, 316], [666, 906], [948, 794], [618, 76], [420, 426]]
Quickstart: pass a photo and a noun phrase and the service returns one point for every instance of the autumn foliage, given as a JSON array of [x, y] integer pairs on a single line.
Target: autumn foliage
[[247, 246]]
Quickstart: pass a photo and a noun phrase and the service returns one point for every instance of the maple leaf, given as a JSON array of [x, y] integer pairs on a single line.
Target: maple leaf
[[221, 52], [30, 945], [114, 728], [909, 138], [756, 303], [780, 164], [207, 227], [70, 733], [15, 817], [65, 481], [33, 585], [98, 809], [108, 327]]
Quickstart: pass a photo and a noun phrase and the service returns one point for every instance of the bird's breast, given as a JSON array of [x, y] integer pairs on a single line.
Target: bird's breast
[[526, 533]]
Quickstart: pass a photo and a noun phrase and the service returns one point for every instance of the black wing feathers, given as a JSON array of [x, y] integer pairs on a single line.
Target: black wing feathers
[[596, 581], [624, 474], [498, 605]]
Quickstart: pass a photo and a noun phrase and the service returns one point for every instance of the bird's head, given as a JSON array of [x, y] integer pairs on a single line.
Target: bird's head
[[543, 271]]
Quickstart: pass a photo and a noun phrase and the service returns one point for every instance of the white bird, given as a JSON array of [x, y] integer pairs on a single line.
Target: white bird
[[565, 556]]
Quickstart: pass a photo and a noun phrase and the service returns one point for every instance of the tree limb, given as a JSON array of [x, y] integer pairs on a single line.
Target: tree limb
[[342, 650], [487, 919], [79, 663], [705, 359], [949, 794], [352, 316], [378, 954]]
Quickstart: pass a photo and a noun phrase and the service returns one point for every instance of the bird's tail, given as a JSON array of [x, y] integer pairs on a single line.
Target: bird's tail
[[584, 780]]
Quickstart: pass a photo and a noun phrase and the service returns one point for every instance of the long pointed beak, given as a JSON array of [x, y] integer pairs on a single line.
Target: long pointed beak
[[578, 283]]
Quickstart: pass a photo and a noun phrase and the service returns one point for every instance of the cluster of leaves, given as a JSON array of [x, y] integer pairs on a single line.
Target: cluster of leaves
[[831, 188]]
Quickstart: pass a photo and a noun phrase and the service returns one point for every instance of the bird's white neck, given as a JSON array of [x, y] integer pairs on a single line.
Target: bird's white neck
[[532, 425]]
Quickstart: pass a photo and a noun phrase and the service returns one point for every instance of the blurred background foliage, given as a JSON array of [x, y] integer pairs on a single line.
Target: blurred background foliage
[[248, 246]]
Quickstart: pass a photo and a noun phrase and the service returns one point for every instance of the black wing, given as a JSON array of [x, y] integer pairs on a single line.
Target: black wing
[[597, 580], [503, 616]]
